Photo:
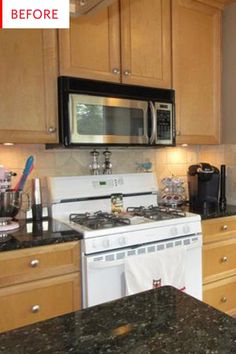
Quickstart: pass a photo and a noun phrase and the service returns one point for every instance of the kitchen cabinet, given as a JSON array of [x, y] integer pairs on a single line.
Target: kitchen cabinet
[[196, 36], [28, 86], [39, 283], [219, 263], [127, 42]]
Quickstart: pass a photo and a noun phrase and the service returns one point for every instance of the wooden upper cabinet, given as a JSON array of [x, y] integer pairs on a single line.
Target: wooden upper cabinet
[[127, 42], [196, 71], [28, 86], [146, 42], [91, 47]]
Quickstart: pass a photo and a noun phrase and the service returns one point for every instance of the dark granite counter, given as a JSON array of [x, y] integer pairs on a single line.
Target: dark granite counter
[[213, 213], [163, 320], [32, 234]]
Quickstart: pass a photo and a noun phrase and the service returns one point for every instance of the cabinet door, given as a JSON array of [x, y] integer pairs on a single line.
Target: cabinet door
[[39, 262], [196, 71], [36, 301], [28, 86], [219, 260], [91, 47], [221, 295], [145, 42]]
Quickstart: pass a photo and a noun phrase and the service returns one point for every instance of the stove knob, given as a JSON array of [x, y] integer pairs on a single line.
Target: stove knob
[[106, 243], [122, 241], [186, 229], [94, 245], [174, 231]]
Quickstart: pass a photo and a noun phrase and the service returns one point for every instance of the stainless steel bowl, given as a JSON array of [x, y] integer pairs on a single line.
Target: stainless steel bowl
[[10, 204]]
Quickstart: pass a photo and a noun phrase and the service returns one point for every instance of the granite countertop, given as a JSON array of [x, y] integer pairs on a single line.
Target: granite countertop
[[32, 234], [212, 213], [162, 320]]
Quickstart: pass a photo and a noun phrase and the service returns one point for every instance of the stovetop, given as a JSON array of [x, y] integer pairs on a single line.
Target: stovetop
[[133, 216]]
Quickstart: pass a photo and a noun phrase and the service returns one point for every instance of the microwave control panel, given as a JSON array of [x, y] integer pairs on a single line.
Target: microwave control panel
[[164, 122]]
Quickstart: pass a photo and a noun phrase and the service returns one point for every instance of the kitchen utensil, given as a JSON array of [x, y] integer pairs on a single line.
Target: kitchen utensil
[[10, 203], [27, 170], [36, 200], [222, 200]]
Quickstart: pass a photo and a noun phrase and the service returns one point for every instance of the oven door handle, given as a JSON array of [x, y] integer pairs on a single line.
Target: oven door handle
[[153, 136], [105, 264]]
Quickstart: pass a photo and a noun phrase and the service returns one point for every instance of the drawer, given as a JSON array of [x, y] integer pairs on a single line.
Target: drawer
[[221, 295], [21, 305], [218, 229], [38, 263], [219, 260]]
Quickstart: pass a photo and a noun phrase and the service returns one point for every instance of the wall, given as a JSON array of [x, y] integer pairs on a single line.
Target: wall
[[166, 162]]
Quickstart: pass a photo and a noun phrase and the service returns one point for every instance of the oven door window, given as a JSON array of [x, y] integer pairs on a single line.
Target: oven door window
[[107, 120]]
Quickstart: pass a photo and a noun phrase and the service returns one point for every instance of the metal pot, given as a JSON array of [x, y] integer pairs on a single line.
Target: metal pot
[[10, 204]]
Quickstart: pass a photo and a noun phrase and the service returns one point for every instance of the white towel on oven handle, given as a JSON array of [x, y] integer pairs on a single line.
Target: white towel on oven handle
[[165, 267]]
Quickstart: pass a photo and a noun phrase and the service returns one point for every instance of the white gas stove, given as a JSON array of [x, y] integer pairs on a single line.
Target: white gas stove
[[85, 203]]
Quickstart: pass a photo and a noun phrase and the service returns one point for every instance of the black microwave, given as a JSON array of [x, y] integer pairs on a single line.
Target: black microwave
[[102, 113]]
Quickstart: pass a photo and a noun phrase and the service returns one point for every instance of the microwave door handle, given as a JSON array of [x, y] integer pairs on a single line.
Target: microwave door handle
[[154, 123]]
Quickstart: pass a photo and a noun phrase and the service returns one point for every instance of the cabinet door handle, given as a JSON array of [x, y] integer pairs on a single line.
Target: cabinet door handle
[[223, 299], [224, 228], [34, 263], [127, 72], [35, 309], [116, 71], [178, 133], [51, 130], [224, 259]]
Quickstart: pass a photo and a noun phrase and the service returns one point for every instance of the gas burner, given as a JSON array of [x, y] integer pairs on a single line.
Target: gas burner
[[98, 220], [156, 212]]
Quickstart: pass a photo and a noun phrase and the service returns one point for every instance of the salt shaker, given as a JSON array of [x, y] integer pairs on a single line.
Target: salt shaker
[[94, 166]]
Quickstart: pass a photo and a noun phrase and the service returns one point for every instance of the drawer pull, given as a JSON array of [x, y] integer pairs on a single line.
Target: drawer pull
[[223, 299], [224, 228], [34, 263], [35, 309], [224, 259]]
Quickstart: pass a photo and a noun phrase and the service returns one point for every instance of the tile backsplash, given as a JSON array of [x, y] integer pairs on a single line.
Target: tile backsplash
[[165, 162]]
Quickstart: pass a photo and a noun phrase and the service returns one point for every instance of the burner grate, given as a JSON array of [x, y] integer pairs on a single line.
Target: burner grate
[[156, 212], [99, 220]]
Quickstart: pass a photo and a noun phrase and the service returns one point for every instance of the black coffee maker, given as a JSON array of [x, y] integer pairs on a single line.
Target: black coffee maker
[[203, 184]]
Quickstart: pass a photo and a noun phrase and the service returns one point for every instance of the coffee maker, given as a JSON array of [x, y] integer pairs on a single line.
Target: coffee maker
[[203, 184]]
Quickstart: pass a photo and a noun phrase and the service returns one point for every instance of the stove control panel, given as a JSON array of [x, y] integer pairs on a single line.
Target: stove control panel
[[138, 237], [108, 183]]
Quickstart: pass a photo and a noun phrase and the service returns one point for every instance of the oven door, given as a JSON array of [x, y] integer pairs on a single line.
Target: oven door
[[104, 277], [106, 120]]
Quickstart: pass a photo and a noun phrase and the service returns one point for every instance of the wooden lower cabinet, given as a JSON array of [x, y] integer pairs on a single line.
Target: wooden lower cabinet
[[39, 283], [219, 263], [25, 304], [221, 295]]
